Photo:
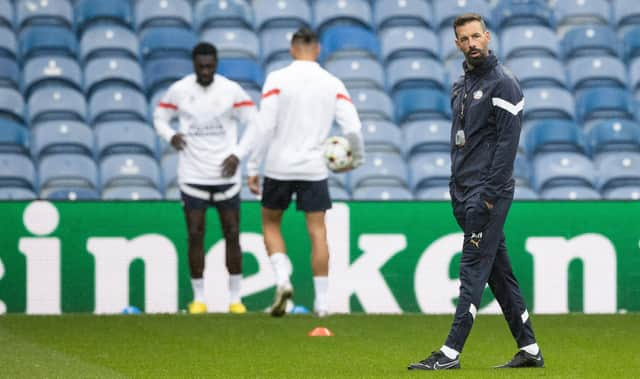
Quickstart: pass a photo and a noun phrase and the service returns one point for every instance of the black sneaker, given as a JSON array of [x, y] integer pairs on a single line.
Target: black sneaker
[[524, 359], [436, 361]]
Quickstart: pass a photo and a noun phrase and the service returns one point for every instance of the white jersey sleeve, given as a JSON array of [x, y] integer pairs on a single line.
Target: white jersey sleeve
[[166, 110], [346, 116]]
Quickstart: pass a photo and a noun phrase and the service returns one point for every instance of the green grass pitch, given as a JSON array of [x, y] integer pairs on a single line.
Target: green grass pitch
[[258, 346]]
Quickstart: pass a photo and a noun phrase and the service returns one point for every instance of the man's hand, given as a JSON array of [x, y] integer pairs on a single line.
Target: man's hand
[[489, 205], [178, 142], [254, 184], [230, 165]]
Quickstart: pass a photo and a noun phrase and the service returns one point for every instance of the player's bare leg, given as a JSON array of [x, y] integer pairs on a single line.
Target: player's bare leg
[[319, 260], [195, 219], [230, 222], [271, 229]]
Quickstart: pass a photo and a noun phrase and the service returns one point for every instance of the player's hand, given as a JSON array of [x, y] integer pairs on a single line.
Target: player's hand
[[178, 142], [254, 184], [230, 165], [488, 205]]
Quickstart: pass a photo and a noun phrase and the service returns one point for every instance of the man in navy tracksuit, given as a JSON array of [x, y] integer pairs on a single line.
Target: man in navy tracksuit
[[487, 108]]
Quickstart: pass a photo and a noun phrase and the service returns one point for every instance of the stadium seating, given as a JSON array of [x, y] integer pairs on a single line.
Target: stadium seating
[[56, 12], [9, 73], [625, 13], [149, 13], [385, 193], [247, 72], [570, 193], [529, 40], [70, 194], [160, 73], [382, 136], [548, 102], [604, 71], [572, 13], [169, 166], [618, 169], [336, 193], [17, 171], [427, 136], [108, 40], [129, 170], [445, 11], [524, 193], [115, 71], [117, 103], [415, 73], [372, 103], [14, 138], [605, 102], [381, 169], [620, 193], [286, 14], [13, 193], [11, 104], [38, 40], [631, 43], [614, 135], [522, 171], [433, 193], [340, 41], [67, 171], [7, 14], [222, 14], [125, 137], [554, 136], [408, 41], [91, 12], [8, 44], [56, 103], [275, 43], [46, 71], [430, 170], [167, 42], [562, 169], [538, 71], [402, 13], [131, 193], [62, 137], [590, 40], [341, 12], [518, 12], [233, 42], [358, 72], [421, 103]]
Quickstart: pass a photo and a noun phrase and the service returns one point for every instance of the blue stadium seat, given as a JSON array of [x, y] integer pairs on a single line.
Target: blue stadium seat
[[340, 180], [562, 169], [247, 72], [604, 102], [167, 42], [91, 12], [69, 194], [445, 11], [56, 103], [173, 193], [424, 136], [625, 13], [341, 12], [7, 15], [17, 171], [336, 193], [67, 171], [529, 41], [430, 170], [402, 13], [408, 41], [14, 137], [605, 71], [634, 75], [382, 136], [11, 104], [538, 71], [125, 137], [415, 73], [45, 71], [631, 42], [590, 40], [117, 103], [614, 135], [15, 193], [233, 42], [115, 71], [8, 44], [421, 103], [548, 102], [286, 14], [169, 166], [453, 68], [57, 12], [524, 193], [570, 192], [160, 73], [61, 137], [129, 170], [372, 103], [545, 136], [618, 169], [275, 43], [518, 12], [522, 170], [358, 72], [9, 73], [222, 14], [163, 13], [433, 193], [109, 41], [620, 193], [47, 40], [582, 12], [381, 169], [348, 41], [382, 193], [133, 193]]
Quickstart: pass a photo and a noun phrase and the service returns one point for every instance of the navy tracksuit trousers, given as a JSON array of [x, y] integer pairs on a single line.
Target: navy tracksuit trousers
[[485, 259]]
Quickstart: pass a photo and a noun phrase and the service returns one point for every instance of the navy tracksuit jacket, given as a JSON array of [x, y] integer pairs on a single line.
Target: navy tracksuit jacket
[[487, 108]]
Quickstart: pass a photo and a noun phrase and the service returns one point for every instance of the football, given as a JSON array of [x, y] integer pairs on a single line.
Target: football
[[337, 153]]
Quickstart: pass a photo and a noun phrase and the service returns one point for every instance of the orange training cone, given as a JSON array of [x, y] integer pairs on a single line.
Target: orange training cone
[[320, 332]]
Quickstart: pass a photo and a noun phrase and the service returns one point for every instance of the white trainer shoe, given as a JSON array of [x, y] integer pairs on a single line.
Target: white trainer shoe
[[283, 293]]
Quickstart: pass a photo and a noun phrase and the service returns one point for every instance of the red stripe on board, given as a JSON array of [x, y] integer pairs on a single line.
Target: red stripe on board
[[167, 105], [341, 96], [246, 103], [274, 91]]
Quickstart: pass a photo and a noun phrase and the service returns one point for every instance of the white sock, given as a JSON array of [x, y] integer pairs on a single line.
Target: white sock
[[281, 267], [321, 285], [198, 289], [449, 352], [234, 288], [532, 349]]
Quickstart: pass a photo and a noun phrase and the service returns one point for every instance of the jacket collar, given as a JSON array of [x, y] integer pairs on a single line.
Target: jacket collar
[[487, 64]]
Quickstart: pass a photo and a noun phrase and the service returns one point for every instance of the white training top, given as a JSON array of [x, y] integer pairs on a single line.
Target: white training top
[[299, 104], [208, 118]]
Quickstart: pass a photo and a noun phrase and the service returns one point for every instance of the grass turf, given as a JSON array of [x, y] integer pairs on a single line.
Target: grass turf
[[258, 346]]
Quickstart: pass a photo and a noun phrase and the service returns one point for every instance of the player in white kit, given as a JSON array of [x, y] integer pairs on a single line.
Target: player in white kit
[[299, 105], [209, 107]]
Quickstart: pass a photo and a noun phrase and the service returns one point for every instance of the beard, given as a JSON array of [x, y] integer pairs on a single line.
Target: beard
[[475, 60]]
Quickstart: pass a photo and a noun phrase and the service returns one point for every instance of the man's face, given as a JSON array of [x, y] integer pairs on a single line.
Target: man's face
[[205, 67], [473, 41]]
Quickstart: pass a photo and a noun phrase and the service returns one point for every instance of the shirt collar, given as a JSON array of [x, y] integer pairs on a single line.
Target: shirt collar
[[487, 64]]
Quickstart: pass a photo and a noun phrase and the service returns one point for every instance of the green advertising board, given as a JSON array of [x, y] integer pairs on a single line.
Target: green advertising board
[[386, 257]]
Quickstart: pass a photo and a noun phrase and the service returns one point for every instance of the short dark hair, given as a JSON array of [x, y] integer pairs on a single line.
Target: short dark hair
[[466, 18], [204, 48], [305, 36]]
